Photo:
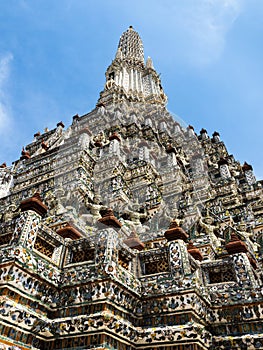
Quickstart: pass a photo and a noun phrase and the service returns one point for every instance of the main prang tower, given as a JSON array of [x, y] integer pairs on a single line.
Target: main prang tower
[[128, 77], [129, 231]]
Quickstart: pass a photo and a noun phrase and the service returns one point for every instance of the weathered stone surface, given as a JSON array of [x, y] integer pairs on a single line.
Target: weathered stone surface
[[177, 260]]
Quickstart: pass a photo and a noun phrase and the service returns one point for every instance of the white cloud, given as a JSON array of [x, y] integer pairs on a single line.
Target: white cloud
[[206, 24], [5, 115], [196, 29]]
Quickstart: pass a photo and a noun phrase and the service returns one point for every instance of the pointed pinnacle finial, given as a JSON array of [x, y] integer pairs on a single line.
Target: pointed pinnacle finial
[[118, 53], [149, 63], [131, 45]]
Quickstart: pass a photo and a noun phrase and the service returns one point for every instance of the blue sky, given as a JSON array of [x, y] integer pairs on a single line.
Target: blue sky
[[54, 53]]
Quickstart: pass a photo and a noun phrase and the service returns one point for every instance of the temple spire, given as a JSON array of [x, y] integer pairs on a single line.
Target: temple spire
[[131, 45], [129, 77]]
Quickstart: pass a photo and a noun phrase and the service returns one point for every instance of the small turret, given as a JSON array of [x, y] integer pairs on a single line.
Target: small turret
[[24, 154], [175, 232], [247, 167], [191, 131], [69, 231], [115, 136], [248, 170], [216, 137], [109, 219], [35, 204], [149, 63], [60, 124], [223, 168], [118, 54], [134, 242], [203, 134], [235, 245], [194, 251]]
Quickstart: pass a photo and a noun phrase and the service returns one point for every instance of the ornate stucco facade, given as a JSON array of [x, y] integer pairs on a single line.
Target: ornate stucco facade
[[129, 231]]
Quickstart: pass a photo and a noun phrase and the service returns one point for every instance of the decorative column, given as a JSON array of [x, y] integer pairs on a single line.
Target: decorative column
[[242, 264], [114, 144], [171, 151], [248, 170], [106, 253], [33, 209], [179, 260], [131, 79], [84, 138], [6, 180], [25, 233], [136, 81], [144, 153], [223, 168], [140, 85]]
